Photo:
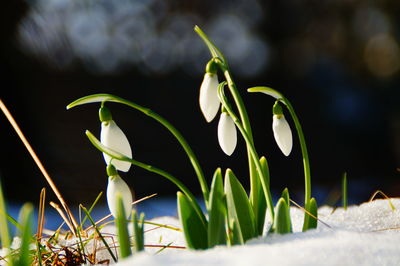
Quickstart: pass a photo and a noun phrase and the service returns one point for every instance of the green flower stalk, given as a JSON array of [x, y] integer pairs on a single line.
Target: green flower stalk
[[306, 162], [102, 98], [219, 60]]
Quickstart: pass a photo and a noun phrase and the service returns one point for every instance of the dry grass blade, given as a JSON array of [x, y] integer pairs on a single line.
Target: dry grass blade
[[313, 216], [66, 220], [37, 161], [383, 195]]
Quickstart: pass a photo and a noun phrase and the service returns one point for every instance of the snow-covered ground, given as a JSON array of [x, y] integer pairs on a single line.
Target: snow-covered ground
[[368, 234]]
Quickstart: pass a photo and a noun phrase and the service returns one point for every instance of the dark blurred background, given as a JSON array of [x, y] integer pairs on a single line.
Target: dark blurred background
[[338, 62]]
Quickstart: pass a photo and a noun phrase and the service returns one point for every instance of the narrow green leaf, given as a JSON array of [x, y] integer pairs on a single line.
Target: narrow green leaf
[[309, 221], [285, 196], [282, 224], [98, 232], [217, 213], [25, 219], [262, 203], [122, 228], [194, 229], [91, 208], [239, 207], [4, 229], [344, 190], [138, 231]]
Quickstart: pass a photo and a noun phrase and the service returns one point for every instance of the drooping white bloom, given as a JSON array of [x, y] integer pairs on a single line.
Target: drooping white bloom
[[113, 137], [209, 101], [282, 134], [227, 137], [117, 185]]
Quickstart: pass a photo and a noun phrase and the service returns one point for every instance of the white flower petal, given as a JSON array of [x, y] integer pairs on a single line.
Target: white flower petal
[[113, 137], [209, 101], [117, 185], [282, 134], [227, 133]]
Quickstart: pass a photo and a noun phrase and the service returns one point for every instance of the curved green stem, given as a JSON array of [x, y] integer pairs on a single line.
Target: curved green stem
[[256, 160], [189, 152], [254, 181], [304, 152], [223, 65], [149, 168], [306, 163]]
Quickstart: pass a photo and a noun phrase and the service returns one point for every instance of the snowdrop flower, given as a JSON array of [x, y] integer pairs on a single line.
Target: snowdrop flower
[[117, 185], [227, 133], [281, 129], [113, 137], [209, 101]]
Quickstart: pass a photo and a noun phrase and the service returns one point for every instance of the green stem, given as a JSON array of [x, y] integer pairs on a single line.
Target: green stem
[[306, 162], [192, 157], [254, 180], [252, 150], [304, 152], [149, 168], [222, 63]]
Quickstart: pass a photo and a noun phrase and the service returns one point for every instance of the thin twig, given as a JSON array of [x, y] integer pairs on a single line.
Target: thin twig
[[66, 220], [37, 161], [309, 213]]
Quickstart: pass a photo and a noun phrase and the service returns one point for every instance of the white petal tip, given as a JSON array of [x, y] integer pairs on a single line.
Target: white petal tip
[[208, 99], [227, 136], [282, 134]]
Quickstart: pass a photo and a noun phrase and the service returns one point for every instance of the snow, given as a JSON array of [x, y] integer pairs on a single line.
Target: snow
[[368, 234]]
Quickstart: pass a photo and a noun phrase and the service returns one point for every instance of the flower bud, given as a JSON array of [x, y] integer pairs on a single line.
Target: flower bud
[[117, 185], [209, 101], [104, 114], [112, 137], [227, 137], [282, 133]]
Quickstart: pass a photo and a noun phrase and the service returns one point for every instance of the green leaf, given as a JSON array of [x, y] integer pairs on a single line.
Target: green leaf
[[25, 219], [138, 231], [122, 229], [282, 224], [194, 229], [344, 190], [239, 208], [285, 196], [4, 229], [96, 228], [262, 203], [217, 213], [215, 52], [309, 221]]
